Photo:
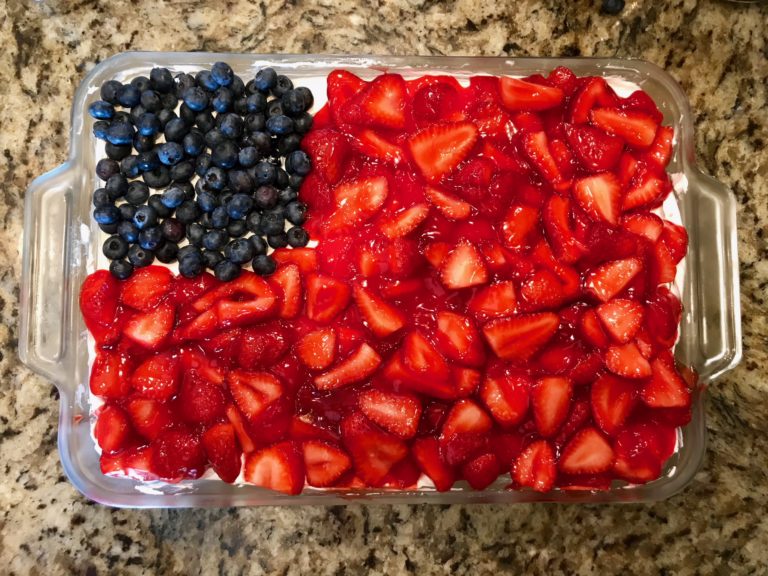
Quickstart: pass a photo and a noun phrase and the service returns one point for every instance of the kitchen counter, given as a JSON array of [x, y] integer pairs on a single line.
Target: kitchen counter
[[719, 53]]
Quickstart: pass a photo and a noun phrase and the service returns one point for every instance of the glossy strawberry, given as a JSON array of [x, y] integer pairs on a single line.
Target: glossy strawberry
[[437, 150], [220, 445], [113, 430], [535, 467], [507, 397], [177, 453], [380, 316], [519, 337], [324, 463], [522, 95], [146, 288], [396, 413], [373, 451], [612, 400], [426, 451], [358, 366], [279, 467]]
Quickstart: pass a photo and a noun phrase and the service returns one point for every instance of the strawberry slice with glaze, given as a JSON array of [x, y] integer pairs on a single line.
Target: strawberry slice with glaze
[[493, 301], [519, 95], [99, 296], [542, 290], [638, 453], [324, 462], [451, 207], [405, 221], [342, 87], [396, 413], [253, 392], [152, 328], [607, 280], [595, 91], [535, 467], [110, 374], [666, 388], [220, 445], [243, 436], [644, 224], [279, 467], [463, 267], [113, 430], [356, 202], [375, 146], [622, 318], [304, 258], [286, 282], [440, 148], [646, 192], [626, 360], [149, 417], [464, 432], [373, 451], [482, 471], [537, 149], [423, 359], [157, 377], [635, 128], [380, 104], [613, 400], [595, 150], [458, 339], [176, 454], [381, 317], [426, 452], [358, 366], [517, 226], [551, 400], [146, 288], [326, 297], [317, 349], [507, 397], [675, 238], [588, 452], [599, 196], [557, 224], [520, 337]]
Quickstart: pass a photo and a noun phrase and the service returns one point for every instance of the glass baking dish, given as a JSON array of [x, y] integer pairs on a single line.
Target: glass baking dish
[[61, 247]]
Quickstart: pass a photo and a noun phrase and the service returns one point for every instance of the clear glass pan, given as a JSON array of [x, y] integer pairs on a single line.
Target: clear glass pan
[[61, 247]]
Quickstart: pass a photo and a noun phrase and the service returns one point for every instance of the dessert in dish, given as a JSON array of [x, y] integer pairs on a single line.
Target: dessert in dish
[[486, 296]]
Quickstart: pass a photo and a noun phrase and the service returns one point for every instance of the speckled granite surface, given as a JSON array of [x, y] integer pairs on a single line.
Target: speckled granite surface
[[718, 51]]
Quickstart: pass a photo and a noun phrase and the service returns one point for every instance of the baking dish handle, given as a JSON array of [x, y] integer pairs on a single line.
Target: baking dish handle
[[718, 288], [46, 259]]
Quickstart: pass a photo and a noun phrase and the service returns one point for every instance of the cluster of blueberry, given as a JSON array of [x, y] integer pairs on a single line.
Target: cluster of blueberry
[[227, 157]]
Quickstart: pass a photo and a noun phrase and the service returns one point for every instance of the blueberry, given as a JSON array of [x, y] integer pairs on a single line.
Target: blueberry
[[237, 228], [255, 122], [306, 94], [295, 181], [282, 85], [211, 258], [145, 217], [148, 160], [106, 168], [278, 240], [121, 269], [123, 117], [297, 237], [265, 79], [240, 106], [109, 91], [223, 100], [193, 143], [172, 230], [196, 98], [272, 223], [287, 195], [140, 257], [183, 171], [130, 166], [116, 186], [189, 189], [215, 178], [253, 222], [240, 181], [239, 251], [151, 238], [205, 121], [160, 177], [169, 102], [265, 172], [136, 113], [141, 83], [195, 234], [143, 143], [189, 251], [298, 162], [296, 213], [101, 198], [224, 154], [259, 245], [148, 124], [237, 86], [172, 197], [101, 110], [115, 247], [263, 265], [108, 228], [239, 206], [161, 79], [202, 164], [151, 101], [279, 210], [137, 193], [205, 220], [262, 142], [128, 231], [219, 217], [215, 239], [231, 125], [226, 271], [109, 214], [183, 81], [191, 266], [175, 130], [100, 129], [127, 212], [225, 197], [188, 115], [167, 252], [293, 102], [248, 157], [128, 96], [302, 123], [275, 108], [165, 116], [213, 138], [156, 203], [205, 80], [279, 125], [222, 74], [256, 103], [612, 6], [288, 143], [266, 197], [170, 153], [207, 201], [117, 152], [120, 133]]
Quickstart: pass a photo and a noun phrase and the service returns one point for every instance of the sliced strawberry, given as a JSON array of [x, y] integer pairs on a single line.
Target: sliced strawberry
[[535, 467], [587, 453], [304, 258], [358, 366], [627, 168], [542, 290], [135, 463], [221, 348], [260, 347], [109, 375], [373, 451], [247, 286], [422, 358], [507, 397], [405, 221], [436, 253], [638, 453], [158, 377], [381, 317], [536, 148], [342, 87], [594, 149], [187, 290], [518, 224], [464, 432], [253, 392], [279, 467], [176, 454], [211, 369], [238, 313], [465, 380], [607, 280], [398, 375], [591, 329], [595, 91], [243, 437], [646, 192], [644, 224], [202, 326], [626, 360], [356, 202], [435, 99], [150, 329], [302, 428], [675, 238], [519, 95], [199, 401], [557, 224], [317, 349], [451, 207], [475, 172], [426, 451], [613, 400], [146, 288], [493, 301], [622, 318], [663, 266], [325, 463], [375, 146], [286, 282], [326, 297], [99, 297], [635, 128], [482, 471], [149, 417], [666, 388], [551, 399], [663, 312], [463, 267], [660, 151], [396, 413], [438, 149], [520, 337], [113, 430], [380, 104], [458, 339], [599, 196], [222, 450]]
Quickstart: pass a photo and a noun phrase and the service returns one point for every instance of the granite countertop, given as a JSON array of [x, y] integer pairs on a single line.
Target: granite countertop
[[719, 53]]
